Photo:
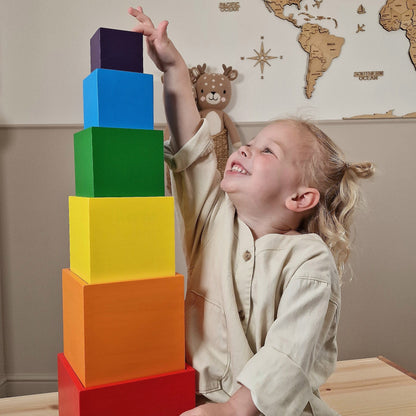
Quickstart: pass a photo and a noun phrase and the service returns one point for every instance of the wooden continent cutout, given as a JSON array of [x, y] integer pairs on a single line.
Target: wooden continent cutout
[[321, 46], [387, 115], [400, 14]]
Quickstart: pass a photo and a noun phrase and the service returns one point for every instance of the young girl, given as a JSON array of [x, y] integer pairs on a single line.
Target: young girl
[[265, 247]]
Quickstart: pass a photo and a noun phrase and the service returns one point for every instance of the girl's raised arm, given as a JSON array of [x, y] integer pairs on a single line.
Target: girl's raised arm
[[181, 111]]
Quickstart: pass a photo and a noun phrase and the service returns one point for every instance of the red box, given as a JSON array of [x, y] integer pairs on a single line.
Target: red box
[[168, 394]]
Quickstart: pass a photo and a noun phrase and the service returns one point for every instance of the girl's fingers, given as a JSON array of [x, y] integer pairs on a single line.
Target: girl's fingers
[[145, 25], [135, 12], [162, 29], [139, 15]]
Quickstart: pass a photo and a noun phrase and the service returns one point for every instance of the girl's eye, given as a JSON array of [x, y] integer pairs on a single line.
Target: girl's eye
[[267, 150]]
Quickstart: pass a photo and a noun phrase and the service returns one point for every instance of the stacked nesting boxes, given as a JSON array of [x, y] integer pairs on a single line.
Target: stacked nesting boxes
[[123, 303]]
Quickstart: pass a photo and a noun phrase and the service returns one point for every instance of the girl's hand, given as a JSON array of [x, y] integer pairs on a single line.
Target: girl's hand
[[240, 404], [160, 49], [211, 409], [181, 111]]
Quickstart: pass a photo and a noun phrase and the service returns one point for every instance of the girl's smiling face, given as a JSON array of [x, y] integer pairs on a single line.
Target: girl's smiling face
[[269, 169]]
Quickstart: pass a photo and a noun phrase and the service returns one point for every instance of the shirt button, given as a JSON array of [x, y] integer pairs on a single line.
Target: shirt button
[[241, 314], [246, 255]]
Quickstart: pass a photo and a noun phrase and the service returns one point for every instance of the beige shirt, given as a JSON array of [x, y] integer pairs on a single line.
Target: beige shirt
[[263, 313]]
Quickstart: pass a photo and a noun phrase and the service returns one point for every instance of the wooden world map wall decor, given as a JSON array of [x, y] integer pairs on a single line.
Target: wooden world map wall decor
[[316, 36], [229, 6], [368, 75]]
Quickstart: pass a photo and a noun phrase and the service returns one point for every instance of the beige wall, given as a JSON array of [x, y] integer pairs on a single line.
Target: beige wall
[[37, 175], [3, 379], [379, 305]]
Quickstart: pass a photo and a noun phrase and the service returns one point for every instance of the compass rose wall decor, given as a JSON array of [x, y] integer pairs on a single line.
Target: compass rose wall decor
[[262, 57]]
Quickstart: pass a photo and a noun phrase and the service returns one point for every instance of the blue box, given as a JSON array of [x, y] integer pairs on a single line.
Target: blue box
[[121, 99]]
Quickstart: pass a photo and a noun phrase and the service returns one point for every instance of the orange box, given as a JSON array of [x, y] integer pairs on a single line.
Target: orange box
[[123, 330]]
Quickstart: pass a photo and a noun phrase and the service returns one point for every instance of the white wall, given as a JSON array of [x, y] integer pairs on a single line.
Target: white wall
[[44, 56]]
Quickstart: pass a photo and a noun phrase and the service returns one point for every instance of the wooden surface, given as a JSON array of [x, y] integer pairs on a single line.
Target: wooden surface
[[370, 386], [365, 387], [34, 405]]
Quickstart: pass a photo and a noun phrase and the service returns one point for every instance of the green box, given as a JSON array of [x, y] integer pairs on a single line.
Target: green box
[[113, 162]]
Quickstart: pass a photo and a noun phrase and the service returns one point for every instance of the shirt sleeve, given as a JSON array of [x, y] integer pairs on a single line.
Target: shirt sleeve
[[278, 374], [195, 185]]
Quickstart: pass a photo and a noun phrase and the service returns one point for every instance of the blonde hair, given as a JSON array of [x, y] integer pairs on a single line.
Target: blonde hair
[[336, 180]]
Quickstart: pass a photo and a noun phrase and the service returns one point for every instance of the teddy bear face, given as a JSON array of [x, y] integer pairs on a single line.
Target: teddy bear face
[[213, 91]]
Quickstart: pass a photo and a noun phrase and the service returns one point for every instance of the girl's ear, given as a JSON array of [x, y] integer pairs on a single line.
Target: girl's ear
[[306, 199]]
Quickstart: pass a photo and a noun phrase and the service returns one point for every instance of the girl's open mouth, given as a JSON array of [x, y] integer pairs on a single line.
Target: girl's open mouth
[[238, 168]]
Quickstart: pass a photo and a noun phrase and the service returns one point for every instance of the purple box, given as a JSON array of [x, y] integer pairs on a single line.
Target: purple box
[[121, 50]]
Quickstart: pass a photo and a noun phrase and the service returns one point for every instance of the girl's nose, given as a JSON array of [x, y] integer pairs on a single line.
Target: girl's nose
[[244, 151]]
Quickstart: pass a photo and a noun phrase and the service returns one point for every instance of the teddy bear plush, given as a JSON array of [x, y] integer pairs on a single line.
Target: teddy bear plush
[[213, 94]]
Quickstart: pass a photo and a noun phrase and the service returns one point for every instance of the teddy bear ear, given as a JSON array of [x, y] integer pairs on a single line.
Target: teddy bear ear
[[229, 72]]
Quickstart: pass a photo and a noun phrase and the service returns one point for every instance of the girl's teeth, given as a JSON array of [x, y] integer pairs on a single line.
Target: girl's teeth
[[238, 169]]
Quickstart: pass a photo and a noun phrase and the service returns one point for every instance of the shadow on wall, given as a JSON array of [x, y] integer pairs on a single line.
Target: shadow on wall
[[36, 177], [4, 142]]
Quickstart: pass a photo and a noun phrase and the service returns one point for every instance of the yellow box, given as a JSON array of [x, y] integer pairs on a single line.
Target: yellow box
[[117, 239], [123, 330]]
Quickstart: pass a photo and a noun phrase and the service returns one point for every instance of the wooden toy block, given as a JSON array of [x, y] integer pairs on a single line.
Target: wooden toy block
[[118, 99], [112, 162], [123, 330], [116, 49], [168, 394], [116, 239]]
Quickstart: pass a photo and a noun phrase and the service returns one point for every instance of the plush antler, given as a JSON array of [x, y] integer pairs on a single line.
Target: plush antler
[[202, 68], [229, 72], [196, 71]]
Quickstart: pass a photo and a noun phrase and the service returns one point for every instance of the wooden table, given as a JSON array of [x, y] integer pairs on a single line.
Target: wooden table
[[366, 387], [370, 386], [33, 405]]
